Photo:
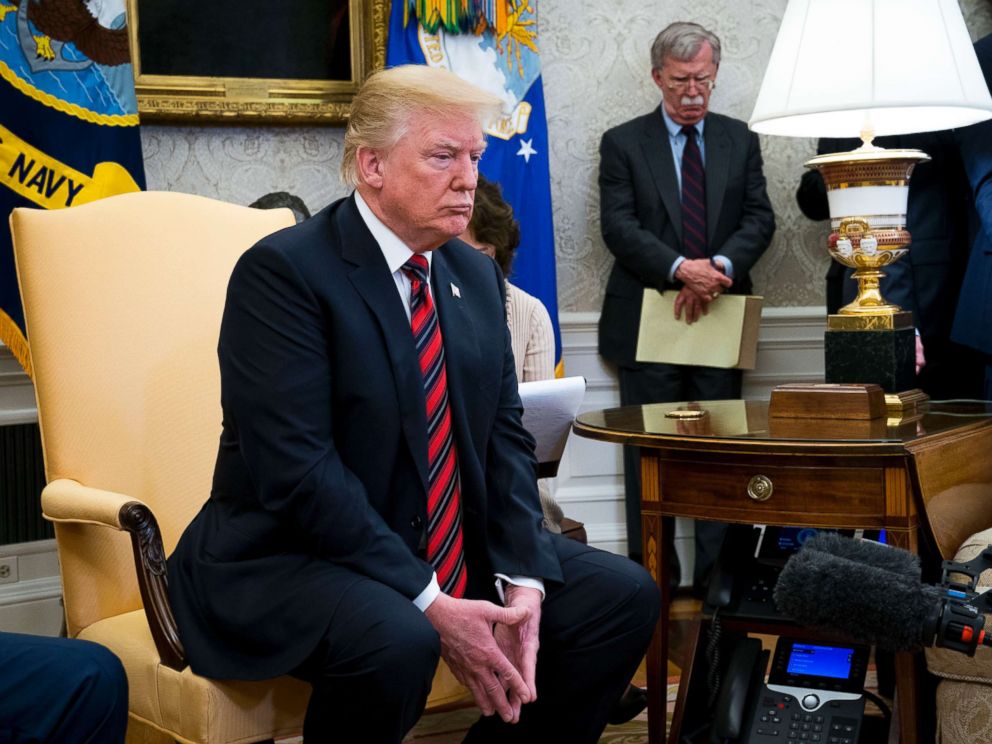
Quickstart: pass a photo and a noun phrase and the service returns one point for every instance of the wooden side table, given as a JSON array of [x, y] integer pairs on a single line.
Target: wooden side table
[[737, 465]]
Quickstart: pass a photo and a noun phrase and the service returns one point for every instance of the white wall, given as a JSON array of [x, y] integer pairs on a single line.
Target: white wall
[[32, 603]]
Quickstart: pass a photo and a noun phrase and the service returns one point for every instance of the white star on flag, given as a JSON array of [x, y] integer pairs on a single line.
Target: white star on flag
[[526, 149]]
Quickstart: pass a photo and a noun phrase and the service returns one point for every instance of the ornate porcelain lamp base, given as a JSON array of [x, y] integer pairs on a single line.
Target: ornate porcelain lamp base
[[867, 191], [871, 340]]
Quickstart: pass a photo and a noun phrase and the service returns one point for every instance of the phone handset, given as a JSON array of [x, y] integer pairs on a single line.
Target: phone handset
[[740, 684], [733, 565]]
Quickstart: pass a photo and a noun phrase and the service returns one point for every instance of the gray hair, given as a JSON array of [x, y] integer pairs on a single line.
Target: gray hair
[[682, 41], [383, 106]]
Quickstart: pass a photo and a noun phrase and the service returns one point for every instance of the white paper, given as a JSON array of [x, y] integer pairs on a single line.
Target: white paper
[[550, 407]]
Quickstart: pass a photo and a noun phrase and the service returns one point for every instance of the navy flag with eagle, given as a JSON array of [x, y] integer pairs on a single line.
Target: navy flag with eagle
[[68, 120], [494, 44]]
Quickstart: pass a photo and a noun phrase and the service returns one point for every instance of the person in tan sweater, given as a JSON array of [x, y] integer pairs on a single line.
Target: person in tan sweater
[[494, 231]]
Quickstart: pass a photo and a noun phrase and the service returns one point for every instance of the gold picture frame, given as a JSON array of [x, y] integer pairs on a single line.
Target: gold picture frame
[[259, 99]]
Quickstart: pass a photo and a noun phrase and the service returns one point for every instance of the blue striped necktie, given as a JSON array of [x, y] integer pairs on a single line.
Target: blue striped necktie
[[693, 198], [444, 513]]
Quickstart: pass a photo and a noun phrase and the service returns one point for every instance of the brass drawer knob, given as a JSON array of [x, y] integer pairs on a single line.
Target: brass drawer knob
[[760, 488]]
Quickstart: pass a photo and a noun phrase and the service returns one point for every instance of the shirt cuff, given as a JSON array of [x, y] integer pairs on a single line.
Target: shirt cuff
[[424, 600], [527, 581], [675, 267], [728, 265]]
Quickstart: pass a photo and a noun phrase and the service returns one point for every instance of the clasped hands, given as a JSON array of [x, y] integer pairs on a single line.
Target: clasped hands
[[492, 650], [703, 283]]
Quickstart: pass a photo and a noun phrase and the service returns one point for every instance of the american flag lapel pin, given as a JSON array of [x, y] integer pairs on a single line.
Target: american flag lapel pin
[[455, 291]]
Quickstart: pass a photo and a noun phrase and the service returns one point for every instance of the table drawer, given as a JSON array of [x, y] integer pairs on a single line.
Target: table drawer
[[772, 488]]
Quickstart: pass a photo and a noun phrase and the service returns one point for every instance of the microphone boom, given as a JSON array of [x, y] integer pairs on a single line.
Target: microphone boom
[[872, 593]]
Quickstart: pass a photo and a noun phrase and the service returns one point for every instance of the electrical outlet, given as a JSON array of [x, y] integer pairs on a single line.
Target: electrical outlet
[[8, 569]]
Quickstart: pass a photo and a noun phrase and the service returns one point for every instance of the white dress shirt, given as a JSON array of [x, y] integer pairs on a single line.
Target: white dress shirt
[[397, 253]]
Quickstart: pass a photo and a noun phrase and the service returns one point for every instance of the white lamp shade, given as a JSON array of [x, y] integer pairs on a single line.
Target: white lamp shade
[[898, 66]]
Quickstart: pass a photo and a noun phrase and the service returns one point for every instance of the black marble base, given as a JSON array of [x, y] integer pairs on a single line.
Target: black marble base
[[886, 358]]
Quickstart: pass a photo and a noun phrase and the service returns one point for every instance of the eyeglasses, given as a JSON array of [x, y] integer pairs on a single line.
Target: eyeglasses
[[682, 84]]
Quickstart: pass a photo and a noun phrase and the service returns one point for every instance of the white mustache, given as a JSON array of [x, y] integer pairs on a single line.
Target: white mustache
[[693, 101]]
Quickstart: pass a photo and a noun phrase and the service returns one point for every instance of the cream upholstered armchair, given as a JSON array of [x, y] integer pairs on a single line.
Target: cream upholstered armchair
[[957, 494], [964, 690], [123, 300]]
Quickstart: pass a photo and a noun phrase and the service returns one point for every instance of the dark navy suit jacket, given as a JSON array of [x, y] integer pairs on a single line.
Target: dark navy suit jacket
[[973, 320], [322, 465]]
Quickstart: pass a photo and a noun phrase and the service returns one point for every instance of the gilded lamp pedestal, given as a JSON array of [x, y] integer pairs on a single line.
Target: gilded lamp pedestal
[[870, 340]]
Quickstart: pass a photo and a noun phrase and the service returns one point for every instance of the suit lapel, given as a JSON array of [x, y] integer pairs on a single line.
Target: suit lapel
[[374, 282], [461, 343], [717, 168], [658, 155]]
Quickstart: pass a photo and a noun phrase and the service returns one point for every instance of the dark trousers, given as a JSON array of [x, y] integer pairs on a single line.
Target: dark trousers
[[55, 690], [373, 670], [668, 383]]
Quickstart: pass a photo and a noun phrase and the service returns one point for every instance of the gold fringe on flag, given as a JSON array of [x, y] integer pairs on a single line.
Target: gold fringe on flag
[[455, 16], [14, 340], [513, 22]]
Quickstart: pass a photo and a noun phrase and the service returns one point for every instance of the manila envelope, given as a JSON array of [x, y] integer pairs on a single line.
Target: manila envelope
[[727, 336]]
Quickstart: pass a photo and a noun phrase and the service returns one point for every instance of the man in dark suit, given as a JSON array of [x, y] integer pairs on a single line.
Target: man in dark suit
[[60, 690], [927, 280], [683, 209], [973, 318], [375, 501]]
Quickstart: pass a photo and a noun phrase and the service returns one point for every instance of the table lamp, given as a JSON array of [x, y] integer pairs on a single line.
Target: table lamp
[[849, 68]]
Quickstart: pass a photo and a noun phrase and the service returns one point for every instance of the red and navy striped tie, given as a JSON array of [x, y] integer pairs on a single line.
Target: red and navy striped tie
[[693, 198], [444, 514]]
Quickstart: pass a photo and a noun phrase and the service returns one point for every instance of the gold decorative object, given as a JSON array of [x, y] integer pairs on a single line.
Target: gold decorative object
[[906, 406], [760, 488], [867, 190]]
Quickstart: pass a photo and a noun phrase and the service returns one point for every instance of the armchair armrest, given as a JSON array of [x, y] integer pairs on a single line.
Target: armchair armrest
[[69, 501]]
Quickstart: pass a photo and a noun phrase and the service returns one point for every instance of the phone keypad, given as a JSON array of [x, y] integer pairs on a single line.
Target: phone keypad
[[772, 718], [806, 727], [761, 591], [781, 719]]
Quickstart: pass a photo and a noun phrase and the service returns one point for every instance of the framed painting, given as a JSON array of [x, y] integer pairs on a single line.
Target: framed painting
[[294, 62]]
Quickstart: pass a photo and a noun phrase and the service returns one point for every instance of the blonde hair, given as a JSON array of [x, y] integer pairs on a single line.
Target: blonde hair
[[382, 108]]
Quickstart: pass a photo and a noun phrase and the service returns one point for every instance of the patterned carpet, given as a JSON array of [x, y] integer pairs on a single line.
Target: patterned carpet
[[450, 727]]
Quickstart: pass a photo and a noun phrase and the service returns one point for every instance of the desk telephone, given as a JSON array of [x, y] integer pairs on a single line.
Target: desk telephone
[[814, 691], [814, 694], [748, 566]]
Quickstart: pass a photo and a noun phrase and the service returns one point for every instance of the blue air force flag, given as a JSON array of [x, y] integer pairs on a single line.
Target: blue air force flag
[[493, 44], [68, 120]]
